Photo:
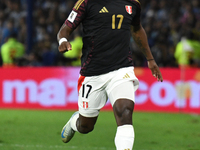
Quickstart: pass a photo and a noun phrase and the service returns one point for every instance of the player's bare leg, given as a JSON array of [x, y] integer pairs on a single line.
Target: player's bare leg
[[77, 123], [85, 124], [123, 110]]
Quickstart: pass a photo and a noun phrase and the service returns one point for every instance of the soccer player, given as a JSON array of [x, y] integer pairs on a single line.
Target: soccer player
[[107, 70]]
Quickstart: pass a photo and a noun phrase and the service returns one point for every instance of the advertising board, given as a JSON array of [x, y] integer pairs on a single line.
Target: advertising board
[[56, 88]]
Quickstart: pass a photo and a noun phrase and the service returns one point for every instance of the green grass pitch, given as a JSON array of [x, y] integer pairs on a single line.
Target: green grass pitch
[[40, 130]]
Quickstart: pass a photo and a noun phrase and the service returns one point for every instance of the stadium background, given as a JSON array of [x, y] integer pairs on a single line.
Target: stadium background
[[37, 22]]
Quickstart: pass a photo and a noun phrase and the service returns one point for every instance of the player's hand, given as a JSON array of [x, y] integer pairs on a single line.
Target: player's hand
[[64, 47], [155, 70]]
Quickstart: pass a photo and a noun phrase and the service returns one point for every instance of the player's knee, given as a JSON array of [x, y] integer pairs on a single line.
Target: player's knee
[[125, 116], [123, 112], [123, 107]]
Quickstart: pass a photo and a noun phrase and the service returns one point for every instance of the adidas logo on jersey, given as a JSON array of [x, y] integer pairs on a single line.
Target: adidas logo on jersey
[[126, 76], [103, 10]]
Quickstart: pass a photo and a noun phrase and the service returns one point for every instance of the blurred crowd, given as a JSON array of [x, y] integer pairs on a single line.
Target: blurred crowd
[[172, 27]]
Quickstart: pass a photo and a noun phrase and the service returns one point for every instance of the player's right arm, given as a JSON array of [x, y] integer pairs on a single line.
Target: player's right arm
[[72, 22], [62, 36]]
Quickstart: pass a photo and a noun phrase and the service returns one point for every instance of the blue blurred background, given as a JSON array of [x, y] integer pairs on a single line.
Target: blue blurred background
[[171, 26]]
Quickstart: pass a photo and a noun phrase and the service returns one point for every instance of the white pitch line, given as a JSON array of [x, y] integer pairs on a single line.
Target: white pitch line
[[50, 146]]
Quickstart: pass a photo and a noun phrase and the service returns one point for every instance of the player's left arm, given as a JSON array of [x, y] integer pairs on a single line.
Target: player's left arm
[[140, 37]]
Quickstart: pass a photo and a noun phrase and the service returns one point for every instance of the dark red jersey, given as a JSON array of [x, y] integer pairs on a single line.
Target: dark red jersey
[[106, 33]]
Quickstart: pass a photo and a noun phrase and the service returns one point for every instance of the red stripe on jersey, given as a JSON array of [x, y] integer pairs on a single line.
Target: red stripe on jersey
[[80, 81]]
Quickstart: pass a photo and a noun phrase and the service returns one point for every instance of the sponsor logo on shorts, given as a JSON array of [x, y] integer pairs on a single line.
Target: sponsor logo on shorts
[[126, 76]]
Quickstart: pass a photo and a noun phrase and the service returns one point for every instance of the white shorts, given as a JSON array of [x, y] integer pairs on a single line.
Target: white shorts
[[94, 91]]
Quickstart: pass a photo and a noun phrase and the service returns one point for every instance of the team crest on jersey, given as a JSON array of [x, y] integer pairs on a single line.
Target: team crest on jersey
[[129, 9]]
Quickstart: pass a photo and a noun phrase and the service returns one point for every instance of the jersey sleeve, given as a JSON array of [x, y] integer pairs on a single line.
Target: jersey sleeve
[[77, 14], [136, 18]]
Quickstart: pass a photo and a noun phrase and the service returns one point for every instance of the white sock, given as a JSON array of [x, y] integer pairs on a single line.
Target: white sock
[[73, 122], [124, 137]]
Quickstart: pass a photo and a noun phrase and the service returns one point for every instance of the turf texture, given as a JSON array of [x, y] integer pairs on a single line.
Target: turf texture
[[40, 130]]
